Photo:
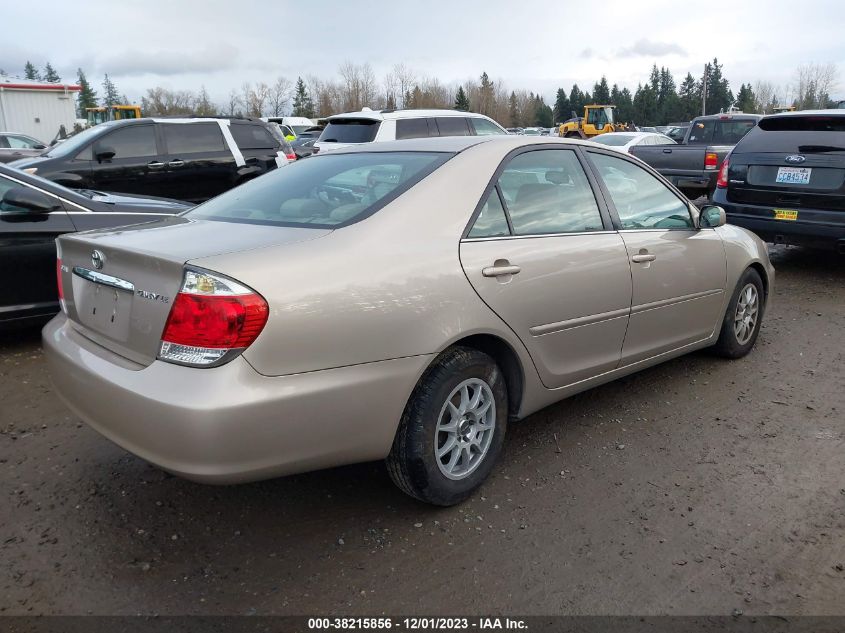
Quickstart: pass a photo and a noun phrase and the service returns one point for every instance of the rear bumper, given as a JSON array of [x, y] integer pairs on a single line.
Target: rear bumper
[[817, 228], [231, 424]]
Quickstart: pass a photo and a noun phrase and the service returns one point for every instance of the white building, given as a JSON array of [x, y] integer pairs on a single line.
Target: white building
[[36, 108]]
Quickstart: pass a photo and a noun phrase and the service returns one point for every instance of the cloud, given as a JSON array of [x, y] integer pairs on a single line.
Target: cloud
[[587, 53], [647, 48], [173, 62]]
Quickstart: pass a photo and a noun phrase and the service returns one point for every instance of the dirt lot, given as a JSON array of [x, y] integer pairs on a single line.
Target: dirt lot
[[699, 487]]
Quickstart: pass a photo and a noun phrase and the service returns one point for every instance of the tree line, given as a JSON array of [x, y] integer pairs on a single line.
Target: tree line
[[658, 101]]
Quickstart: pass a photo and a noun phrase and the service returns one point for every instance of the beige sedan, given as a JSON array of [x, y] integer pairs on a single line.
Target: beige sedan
[[402, 301]]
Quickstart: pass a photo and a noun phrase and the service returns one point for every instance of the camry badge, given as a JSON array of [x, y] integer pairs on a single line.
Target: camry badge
[[795, 159], [98, 259]]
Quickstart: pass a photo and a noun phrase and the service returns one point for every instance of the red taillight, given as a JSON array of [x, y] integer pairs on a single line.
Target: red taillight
[[290, 156], [212, 319], [59, 279], [215, 322], [722, 179], [711, 160]]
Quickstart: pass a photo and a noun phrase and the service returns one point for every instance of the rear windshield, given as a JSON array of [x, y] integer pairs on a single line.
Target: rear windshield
[[801, 134], [325, 191], [350, 131], [613, 139], [719, 131]]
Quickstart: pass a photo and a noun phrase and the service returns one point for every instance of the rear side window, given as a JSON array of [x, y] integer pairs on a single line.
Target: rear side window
[[324, 191], [250, 136], [491, 222], [412, 128], [350, 131], [452, 126], [720, 131], [483, 127], [797, 134], [191, 138], [641, 200], [130, 142]]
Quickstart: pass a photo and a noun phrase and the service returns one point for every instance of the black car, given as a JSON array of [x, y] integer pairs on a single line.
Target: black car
[[785, 180], [33, 212], [188, 159]]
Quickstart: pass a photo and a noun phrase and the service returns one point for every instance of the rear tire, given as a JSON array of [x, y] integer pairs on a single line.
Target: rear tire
[[743, 318], [452, 429]]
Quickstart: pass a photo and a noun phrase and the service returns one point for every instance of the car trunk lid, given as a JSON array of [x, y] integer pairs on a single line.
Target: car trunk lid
[[119, 284]]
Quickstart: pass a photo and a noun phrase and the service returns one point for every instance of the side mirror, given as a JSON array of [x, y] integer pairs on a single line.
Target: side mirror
[[30, 200], [103, 152], [39, 146], [712, 216]]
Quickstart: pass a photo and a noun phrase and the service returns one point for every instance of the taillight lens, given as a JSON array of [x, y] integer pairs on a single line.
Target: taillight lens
[[59, 279], [212, 319], [711, 160], [722, 179], [290, 156]]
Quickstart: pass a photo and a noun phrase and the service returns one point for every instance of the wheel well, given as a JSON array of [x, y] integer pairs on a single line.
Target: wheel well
[[508, 362], [763, 276]]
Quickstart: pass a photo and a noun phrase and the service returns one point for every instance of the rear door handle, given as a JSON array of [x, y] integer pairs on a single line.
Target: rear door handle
[[176, 163], [643, 257], [499, 271], [667, 151], [155, 165]]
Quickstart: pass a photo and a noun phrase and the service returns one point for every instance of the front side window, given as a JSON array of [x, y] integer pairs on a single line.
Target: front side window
[[192, 138], [641, 200], [412, 128], [130, 142], [547, 191], [483, 127], [21, 142], [324, 191]]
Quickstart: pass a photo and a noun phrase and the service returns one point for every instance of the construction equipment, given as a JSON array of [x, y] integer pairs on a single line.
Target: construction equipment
[[597, 119], [781, 109], [102, 114]]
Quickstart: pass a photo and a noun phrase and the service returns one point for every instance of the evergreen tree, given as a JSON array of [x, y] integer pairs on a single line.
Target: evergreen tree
[[303, 105], [719, 95], [203, 105], [30, 72], [390, 102], [562, 106], [745, 99], [689, 98], [110, 94], [485, 95], [461, 100], [576, 101], [513, 110], [588, 99], [601, 93], [645, 105], [624, 106], [668, 103], [50, 75], [87, 97], [542, 113]]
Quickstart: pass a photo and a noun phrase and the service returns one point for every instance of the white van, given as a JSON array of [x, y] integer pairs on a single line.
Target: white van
[[368, 126], [296, 124]]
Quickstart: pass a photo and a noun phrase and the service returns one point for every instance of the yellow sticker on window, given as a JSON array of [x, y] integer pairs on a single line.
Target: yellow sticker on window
[[786, 214]]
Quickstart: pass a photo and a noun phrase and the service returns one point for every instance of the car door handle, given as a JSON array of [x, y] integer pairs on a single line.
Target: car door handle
[[176, 163], [155, 165], [500, 270], [643, 257], [667, 151]]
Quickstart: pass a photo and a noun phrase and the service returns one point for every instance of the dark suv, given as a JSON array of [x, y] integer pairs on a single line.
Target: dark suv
[[785, 180], [187, 159]]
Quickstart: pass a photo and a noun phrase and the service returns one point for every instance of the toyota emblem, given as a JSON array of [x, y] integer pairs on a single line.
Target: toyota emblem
[[98, 259]]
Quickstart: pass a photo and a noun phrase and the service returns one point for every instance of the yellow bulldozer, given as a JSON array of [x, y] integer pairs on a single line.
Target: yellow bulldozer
[[597, 119], [112, 113]]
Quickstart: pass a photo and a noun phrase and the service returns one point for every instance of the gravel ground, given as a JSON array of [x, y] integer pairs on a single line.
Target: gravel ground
[[697, 487]]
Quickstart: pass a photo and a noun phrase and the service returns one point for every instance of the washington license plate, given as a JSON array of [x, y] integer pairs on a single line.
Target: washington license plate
[[794, 175]]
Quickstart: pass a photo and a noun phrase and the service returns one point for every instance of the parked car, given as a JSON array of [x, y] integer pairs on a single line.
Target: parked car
[[15, 146], [693, 164], [304, 147], [624, 141], [785, 180], [647, 129], [33, 213], [296, 124], [186, 159], [532, 131], [677, 132], [514, 130], [366, 126], [372, 303]]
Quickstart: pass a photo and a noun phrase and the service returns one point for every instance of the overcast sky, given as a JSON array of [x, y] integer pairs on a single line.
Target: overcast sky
[[183, 44]]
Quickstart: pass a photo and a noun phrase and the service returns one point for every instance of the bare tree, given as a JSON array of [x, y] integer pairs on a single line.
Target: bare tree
[[163, 102], [234, 103], [279, 96], [814, 83], [255, 99], [203, 105], [404, 79]]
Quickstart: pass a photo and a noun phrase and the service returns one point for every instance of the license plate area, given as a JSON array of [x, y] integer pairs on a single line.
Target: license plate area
[[102, 306], [794, 175], [786, 214]]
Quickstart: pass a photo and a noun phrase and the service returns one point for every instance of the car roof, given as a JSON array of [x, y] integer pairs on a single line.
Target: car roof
[[827, 112], [386, 115], [454, 144], [729, 115]]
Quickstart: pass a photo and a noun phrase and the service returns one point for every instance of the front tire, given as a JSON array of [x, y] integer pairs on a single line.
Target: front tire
[[452, 429], [743, 318]]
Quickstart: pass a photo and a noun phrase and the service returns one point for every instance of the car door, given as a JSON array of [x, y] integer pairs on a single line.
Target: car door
[[128, 160], [28, 256], [198, 162], [541, 253], [678, 271]]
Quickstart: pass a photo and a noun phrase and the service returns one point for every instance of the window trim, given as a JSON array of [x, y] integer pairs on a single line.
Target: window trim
[[617, 221], [604, 212]]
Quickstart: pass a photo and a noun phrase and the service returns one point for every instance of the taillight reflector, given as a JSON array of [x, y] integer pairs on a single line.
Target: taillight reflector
[[711, 160]]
